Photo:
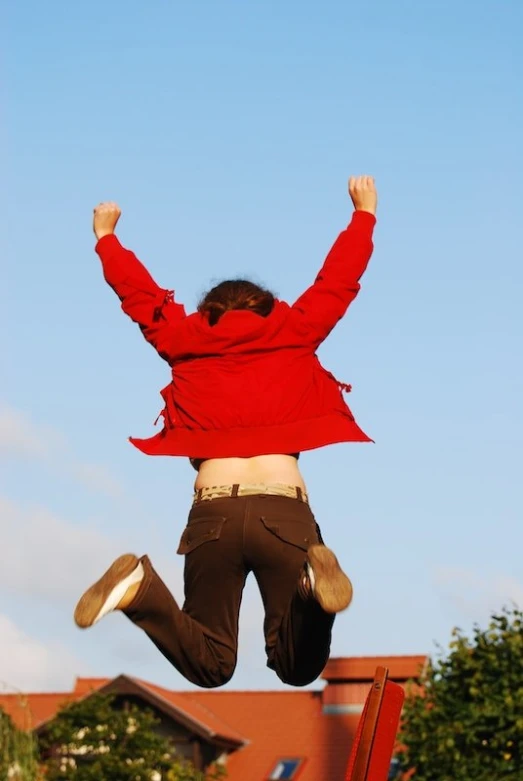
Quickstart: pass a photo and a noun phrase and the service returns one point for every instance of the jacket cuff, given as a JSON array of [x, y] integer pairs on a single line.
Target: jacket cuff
[[363, 219], [106, 243]]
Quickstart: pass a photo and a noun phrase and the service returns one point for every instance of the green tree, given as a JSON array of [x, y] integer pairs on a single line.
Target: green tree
[[466, 722], [184, 771], [92, 739], [18, 754]]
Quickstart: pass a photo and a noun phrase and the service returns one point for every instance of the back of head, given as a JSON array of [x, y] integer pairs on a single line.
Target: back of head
[[235, 294]]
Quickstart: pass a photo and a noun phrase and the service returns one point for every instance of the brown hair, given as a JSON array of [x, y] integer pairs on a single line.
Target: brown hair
[[236, 294]]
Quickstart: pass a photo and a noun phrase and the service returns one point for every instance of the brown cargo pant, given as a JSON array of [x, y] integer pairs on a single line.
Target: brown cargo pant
[[226, 539]]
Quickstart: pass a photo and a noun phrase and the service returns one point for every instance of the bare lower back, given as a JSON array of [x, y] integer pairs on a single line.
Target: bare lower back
[[261, 469]]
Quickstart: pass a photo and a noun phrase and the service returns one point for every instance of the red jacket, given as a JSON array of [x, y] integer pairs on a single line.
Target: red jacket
[[249, 385]]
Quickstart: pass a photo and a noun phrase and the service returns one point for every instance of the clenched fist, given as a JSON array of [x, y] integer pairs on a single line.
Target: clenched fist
[[106, 215], [363, 193]]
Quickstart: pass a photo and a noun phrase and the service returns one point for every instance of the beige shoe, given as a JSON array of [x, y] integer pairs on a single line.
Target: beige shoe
[[107, 593], [325, 581]]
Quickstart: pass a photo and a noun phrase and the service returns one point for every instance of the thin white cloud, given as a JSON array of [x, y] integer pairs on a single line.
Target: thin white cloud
[[48, 559], [46, 556], [475, 594], [28, 665], [97, 478], [21, 437]]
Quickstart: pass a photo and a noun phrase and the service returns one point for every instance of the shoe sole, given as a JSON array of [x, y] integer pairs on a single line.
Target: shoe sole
[[332, 587], [91, 603]]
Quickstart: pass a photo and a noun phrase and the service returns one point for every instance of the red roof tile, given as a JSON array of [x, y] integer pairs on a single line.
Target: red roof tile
[[362, 668], [198, 711], [85, 685], [274, 725], [28, 711], [284, 724], [181, 701]]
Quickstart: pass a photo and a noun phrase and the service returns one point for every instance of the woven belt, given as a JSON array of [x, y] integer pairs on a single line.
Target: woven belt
[[247, 489]]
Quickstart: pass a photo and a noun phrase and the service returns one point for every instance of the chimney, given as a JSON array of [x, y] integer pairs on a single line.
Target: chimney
[[349, 679]]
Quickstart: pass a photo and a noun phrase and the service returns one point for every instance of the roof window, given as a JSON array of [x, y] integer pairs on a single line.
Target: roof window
[[285, 769]]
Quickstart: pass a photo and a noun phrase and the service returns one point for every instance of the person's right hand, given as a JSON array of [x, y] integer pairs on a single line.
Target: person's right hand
[[106, 215], [363, 192]]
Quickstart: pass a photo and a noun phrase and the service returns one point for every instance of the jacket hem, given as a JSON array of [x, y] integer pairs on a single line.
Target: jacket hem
[[250, 442]]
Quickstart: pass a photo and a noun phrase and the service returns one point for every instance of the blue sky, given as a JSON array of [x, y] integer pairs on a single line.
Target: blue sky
[[227, 132]]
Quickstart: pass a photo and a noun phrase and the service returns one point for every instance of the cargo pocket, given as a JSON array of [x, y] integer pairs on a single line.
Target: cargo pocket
[[199, 532], [301, 534]]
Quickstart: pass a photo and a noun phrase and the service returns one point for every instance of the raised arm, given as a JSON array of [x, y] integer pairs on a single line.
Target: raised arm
[[323, 304], [153, 308]]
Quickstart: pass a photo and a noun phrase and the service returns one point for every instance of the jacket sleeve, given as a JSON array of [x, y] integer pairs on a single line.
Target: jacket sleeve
[[153, 308], [323, 304]]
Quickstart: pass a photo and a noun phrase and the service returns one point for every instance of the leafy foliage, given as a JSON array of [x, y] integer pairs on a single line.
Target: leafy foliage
[[91, 739], [183, 771], [467, 722], [18, 755]]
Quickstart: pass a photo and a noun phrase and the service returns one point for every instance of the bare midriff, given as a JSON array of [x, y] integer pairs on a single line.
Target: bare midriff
[[260, 470]]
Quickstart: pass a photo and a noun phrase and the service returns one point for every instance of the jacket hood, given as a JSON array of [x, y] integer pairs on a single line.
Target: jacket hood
[[236, 331]]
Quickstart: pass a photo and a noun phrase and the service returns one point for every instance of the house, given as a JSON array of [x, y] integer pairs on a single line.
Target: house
[[295, 734]]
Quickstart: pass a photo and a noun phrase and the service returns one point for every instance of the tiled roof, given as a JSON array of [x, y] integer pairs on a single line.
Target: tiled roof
[[85, 685], [30, 710], [271, 725], [361, 668], [198, 711], [199, 717], [284, 724]]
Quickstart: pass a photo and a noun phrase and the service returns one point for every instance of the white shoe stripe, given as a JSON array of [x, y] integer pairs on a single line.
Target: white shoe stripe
[[119, 591], [312, 579]]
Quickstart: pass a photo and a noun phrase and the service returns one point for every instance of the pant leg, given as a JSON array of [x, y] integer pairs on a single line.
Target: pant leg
[[297, 631], [201, 639]]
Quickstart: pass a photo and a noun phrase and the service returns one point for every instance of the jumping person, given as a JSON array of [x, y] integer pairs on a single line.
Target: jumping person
[[247, 395]]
